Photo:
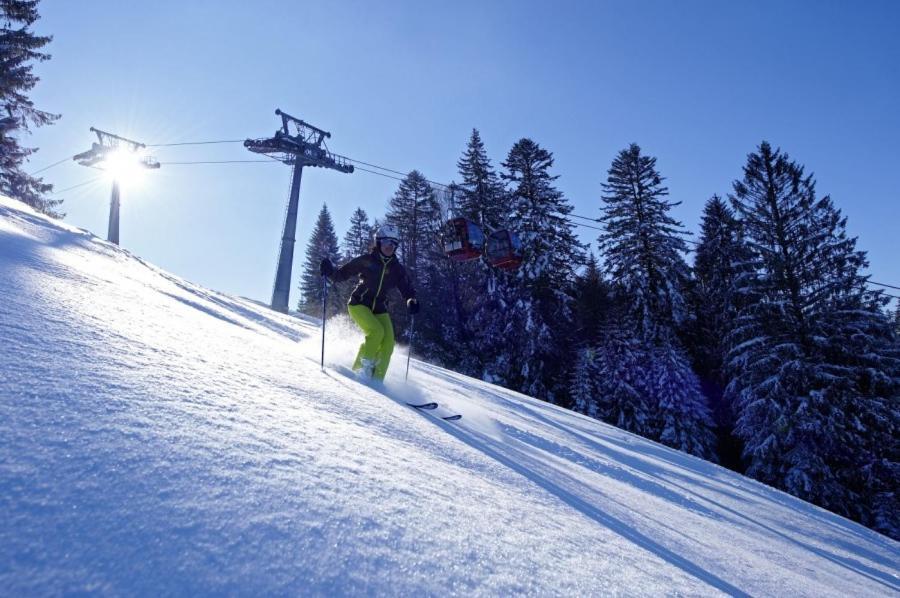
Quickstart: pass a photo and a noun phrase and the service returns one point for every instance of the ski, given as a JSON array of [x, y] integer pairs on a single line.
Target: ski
[[430, 406]]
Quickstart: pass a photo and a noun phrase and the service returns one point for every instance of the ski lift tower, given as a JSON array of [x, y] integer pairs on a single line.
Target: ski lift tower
[[120, 157], [305, 147]]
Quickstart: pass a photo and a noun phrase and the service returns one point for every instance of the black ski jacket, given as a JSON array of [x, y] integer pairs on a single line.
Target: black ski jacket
[[378, 274]]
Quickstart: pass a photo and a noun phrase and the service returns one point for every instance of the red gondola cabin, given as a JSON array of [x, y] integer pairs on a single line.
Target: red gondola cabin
[[504, 250], [463, 240]]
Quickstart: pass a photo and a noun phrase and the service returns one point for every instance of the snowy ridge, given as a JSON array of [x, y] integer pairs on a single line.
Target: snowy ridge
[[157, 437]]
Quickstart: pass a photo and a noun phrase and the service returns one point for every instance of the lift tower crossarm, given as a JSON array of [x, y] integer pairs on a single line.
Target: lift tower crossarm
[[107, 146], [109, 143], [305, 147]]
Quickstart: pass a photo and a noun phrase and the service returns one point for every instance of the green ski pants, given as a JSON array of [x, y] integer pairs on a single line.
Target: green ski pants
[[379, 343]]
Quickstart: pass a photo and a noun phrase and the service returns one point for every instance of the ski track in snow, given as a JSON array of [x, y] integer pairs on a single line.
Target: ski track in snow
[[160, 438]]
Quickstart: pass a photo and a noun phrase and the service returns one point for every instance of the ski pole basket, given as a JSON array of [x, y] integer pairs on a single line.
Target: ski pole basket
[[504, 250], [462, 240]]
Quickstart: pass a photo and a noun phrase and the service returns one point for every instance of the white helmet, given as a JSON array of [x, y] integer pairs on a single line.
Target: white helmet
[[386, 231]]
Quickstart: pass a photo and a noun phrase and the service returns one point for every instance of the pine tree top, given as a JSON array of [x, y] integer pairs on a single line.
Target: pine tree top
[[480, 190], [21, 48]]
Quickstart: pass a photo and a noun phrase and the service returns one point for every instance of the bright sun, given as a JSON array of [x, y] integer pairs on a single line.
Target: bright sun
[[124, 167]]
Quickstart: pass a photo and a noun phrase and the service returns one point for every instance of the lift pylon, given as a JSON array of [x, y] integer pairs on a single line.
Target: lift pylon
[[101, 154], [297, 144]]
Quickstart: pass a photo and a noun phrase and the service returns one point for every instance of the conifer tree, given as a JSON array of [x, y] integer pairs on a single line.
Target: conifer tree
[[897, 320], [582, 390], [721, 257], [593, 303], [480, 189], [20, 49], [642, 248], [446, 330], [358, 238], [480, 197], [685, 422], [642, 245], [815, 377], [534, 305], [415, 212], [322, 244], [621, 374]]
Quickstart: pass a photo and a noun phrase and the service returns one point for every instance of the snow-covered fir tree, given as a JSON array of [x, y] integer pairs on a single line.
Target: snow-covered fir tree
[[897, 319], [592, 302], [414, 211], [620, 380], [480, 189], [642, 245], [648, 389], [642, 248], [684, 417], [20, 49], [582, 389], [450, 294], [358, 238], [720, 258], [535, 306], [481, 197], [592, 312], [322, 244], [815, 372]]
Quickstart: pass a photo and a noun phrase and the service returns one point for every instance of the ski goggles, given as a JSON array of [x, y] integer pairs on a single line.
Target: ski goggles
[[389, 241]]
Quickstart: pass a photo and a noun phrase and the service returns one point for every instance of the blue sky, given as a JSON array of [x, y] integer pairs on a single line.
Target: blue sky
[[401, 84]]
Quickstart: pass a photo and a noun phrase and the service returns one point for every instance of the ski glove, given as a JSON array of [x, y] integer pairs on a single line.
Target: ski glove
[[412, 306], [326, 268]]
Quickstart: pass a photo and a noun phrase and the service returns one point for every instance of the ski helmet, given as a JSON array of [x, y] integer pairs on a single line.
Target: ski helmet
[[386, 231]]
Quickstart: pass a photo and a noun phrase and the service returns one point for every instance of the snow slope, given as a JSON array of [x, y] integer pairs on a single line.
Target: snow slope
[[160, 438]]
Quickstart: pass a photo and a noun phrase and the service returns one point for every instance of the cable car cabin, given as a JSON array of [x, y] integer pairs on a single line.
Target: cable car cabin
[[504, 250], [463, 240]]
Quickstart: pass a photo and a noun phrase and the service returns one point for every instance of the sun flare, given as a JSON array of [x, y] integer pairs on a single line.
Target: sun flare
[[124, 167]]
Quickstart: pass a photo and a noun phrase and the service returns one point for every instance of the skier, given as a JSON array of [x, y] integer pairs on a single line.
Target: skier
[[379, 271]]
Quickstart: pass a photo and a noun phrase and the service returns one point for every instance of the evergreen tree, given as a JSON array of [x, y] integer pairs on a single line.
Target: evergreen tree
[[642, 245], [643, 249], [582, 390], [815, 377], [322, 244], [685, 422], [20, 48], [358, 239], [534, 323], [721, 257], [480, 197], [897, 319], [593, 303], [621, 390], [446, 331], [480, 191], [415, 212]]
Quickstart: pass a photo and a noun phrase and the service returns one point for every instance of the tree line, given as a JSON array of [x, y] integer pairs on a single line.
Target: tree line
[[769, 353]]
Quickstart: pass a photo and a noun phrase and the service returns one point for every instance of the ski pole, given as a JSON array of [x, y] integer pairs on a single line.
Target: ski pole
[[324, 300], [412, 323]]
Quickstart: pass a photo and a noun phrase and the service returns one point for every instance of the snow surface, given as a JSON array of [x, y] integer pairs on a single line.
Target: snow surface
[[160, 438]]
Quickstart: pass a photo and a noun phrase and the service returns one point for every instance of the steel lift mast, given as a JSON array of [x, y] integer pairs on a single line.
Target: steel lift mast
[[304, 147], [100, 153]]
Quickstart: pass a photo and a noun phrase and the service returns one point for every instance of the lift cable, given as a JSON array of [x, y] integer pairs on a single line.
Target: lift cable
[[51, 166], [270, 161], [93, 180]]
